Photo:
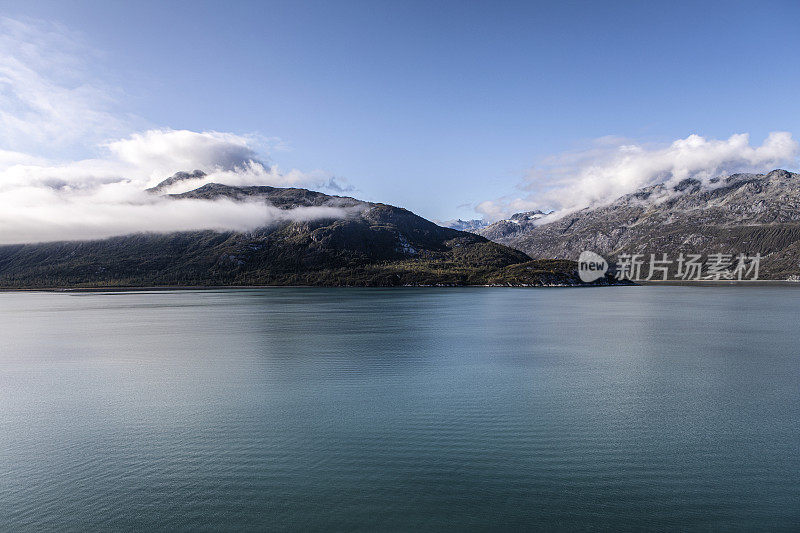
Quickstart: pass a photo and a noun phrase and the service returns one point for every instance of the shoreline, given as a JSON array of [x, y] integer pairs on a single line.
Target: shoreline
[[721, 283], [163, 288], [246, 287]]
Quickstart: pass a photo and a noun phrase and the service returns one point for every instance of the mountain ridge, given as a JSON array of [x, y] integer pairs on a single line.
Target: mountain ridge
[[740, 213]]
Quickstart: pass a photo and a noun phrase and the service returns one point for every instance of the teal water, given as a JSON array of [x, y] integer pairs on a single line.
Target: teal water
[[631, 408]]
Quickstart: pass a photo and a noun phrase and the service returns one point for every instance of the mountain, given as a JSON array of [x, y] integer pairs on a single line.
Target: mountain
[[369, 244], [743, 213], [473, 225], [516, 225], [176, 178]]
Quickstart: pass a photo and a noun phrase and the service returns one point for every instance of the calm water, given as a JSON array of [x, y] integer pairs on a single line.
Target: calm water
[[339, 409]]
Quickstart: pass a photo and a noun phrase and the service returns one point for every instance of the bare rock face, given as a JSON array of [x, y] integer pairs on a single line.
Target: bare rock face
[[743, 213]]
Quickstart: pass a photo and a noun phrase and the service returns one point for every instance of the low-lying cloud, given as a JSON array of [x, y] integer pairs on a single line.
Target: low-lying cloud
[[611, 168], [80, 218]]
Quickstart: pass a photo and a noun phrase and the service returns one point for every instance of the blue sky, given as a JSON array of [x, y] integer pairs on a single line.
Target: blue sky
[[439, 106]]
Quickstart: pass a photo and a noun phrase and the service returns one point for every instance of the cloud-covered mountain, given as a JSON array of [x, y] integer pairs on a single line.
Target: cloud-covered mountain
[[742, 213], [612, 167], [43, 200], [312, 239]]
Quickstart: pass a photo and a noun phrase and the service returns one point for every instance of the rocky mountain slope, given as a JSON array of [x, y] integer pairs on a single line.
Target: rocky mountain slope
[[743, 213], [372, 244]]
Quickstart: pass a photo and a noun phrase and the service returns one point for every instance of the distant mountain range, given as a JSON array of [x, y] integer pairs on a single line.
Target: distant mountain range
[[743, 213], [373, 244], [473, 225]]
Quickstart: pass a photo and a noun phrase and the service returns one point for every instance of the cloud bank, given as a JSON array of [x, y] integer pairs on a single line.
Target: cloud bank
[[51, 106], [102, 197], [611, 168], [54, 217]]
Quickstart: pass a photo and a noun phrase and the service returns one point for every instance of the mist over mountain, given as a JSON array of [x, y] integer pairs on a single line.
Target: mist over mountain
[[741, 213]]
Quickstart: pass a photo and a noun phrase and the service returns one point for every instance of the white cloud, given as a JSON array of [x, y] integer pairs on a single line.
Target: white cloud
[[102, 197], [612, 168], [164, 152], [47, 96], [225, 158]]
